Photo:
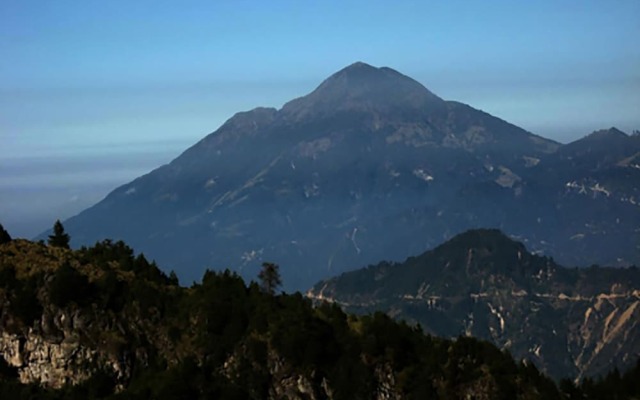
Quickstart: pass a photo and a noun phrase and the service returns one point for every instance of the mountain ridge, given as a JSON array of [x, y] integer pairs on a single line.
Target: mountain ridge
[[101, 322], [359, 87], [336, 189], [569, 322]]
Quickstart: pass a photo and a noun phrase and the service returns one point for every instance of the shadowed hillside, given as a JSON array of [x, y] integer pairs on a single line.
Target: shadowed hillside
[[568, 321]]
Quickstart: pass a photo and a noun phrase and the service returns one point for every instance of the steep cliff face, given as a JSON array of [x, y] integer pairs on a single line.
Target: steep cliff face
[[54, 364], [606, 333], [564, 334], [569, 322], [53, 327]]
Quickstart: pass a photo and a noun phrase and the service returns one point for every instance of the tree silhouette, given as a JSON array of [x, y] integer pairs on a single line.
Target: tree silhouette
[[69, 285], [270, 277], [4, 235], [59, 237]]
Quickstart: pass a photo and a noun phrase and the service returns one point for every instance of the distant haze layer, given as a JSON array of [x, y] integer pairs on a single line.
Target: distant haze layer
[[37, 190]]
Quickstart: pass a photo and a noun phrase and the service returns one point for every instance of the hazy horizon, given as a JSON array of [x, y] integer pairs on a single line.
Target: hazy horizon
[[94, 95]]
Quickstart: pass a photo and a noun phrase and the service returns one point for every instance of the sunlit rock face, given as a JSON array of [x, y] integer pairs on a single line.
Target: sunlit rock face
[[57, 359], [51, 364], [370, 166]]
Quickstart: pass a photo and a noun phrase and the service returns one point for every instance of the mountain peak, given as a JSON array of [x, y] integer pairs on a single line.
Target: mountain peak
[[359, 66], [362, 87], [599, 141], [481, 237], [364, 71], [606, 134], [486, 242]]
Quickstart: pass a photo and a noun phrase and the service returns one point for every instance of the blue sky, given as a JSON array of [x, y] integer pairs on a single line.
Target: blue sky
[[116, 88]]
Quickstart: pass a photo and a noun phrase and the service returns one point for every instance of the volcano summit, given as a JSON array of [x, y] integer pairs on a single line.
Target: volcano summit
[[369, 166]]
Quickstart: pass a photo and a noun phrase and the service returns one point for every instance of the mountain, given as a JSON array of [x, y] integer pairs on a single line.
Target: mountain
[[598, 150], [101, 323], [369, 166], [569, 322], [587, 198]]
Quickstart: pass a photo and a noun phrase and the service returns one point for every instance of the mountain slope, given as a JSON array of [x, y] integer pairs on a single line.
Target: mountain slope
[[570, 322], [102, 323], [371, 165], [591, 193]]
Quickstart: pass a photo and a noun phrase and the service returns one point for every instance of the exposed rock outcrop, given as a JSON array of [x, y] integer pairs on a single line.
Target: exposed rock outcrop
[[50, 364]]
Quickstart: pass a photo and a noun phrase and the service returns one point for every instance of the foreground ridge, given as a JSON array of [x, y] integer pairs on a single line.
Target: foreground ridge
[[127, 327]]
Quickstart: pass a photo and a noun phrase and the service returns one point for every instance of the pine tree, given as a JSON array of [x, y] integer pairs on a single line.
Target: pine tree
[[4, 235], [59, 237], [173, 278], [270, 277]]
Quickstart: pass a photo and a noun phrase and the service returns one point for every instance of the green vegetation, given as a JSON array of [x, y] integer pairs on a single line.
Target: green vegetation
[[59, 238], [613, 386], [4, 235], [270, 277], [69, 285], [224, 339]]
